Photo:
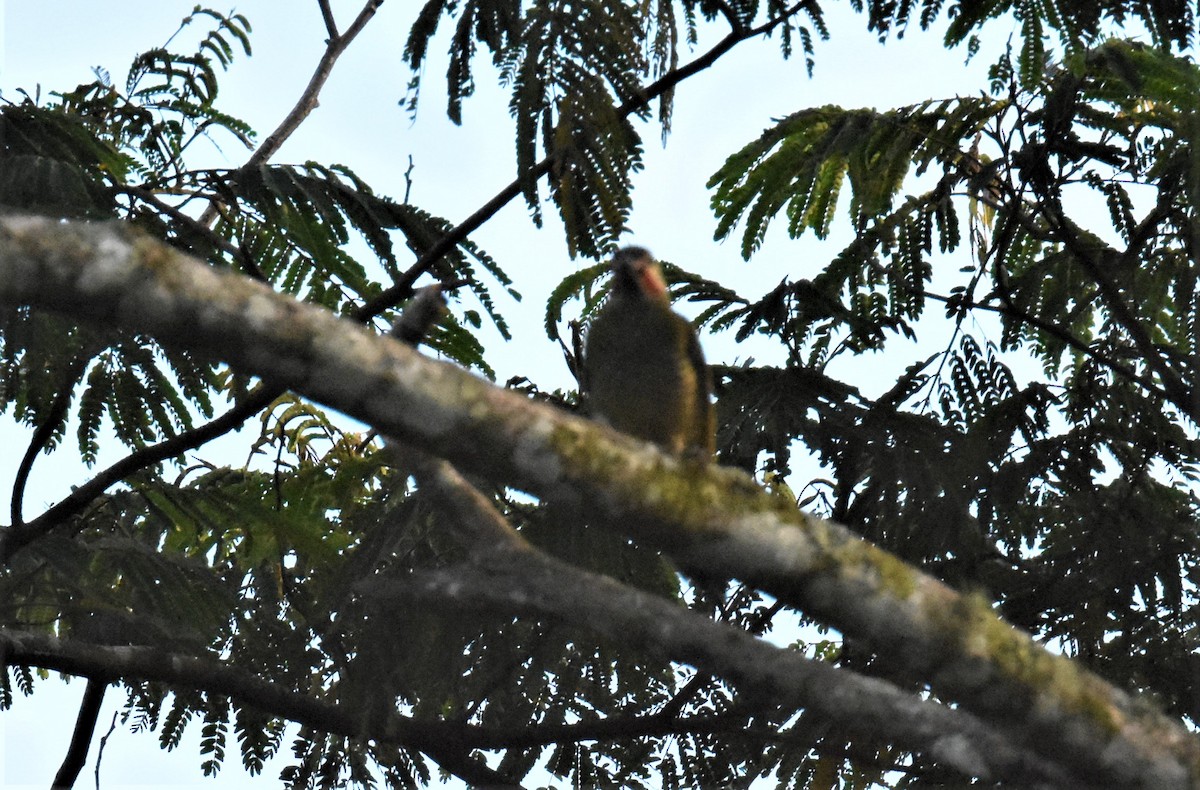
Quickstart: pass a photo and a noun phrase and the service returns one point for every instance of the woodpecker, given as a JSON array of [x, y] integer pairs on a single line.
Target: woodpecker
[[644, 371]]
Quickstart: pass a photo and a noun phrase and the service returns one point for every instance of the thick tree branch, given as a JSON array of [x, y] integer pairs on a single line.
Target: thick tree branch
[[79, 498], [712, 521], [509, 574], [400, 290]]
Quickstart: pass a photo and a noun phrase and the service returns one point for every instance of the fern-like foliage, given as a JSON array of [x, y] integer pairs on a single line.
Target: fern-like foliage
[[81, 157], [493, 23], [578, 70], [1073, 25], [800, 165], [53, 164], [573, 64], [296, 223]]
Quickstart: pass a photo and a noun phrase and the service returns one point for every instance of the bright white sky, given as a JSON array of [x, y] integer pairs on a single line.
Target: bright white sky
[[360, 123]]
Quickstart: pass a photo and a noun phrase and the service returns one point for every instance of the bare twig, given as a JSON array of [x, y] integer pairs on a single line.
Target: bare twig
[[112, 727], [327, 15], [1010, 309], [309, 98]]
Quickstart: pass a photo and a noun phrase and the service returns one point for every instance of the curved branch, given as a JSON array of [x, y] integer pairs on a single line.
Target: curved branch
[[442, 741], [81, 738], [41, 437], [1010, 309], [21, 535], [508, 573], [398, 291], [1071, 236]]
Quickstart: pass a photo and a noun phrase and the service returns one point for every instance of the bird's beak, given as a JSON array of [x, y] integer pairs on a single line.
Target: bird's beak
[[650, 280]]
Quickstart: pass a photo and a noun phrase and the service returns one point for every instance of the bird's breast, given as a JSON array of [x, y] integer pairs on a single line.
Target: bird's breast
[[639, 375]]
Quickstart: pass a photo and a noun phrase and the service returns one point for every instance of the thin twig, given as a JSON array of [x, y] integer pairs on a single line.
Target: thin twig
[[112, 727], [45, 432], [1010, 309], [74, 503], [309, 99]]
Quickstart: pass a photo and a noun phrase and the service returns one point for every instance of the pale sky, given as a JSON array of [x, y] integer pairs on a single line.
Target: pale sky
[[55, 43]]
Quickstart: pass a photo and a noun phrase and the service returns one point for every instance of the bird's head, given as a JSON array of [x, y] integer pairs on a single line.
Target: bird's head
[[637, 274]]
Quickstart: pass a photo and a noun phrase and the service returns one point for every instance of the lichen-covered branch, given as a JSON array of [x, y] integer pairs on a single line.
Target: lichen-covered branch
[[712, 521], [508, 574]]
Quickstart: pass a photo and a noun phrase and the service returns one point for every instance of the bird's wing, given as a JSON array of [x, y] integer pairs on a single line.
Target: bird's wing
[[704, 429]]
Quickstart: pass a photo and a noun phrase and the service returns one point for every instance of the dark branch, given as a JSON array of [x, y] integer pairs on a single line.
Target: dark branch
[[74, 503], [1010, 309], [400, 290], [510, 574], [41, 437], [330, 22], [81, 738], [1176, 391], [444, 742], [239, 254]]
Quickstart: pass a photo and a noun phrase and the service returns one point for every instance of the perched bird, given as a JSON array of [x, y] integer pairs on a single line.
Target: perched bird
[[643, 368]]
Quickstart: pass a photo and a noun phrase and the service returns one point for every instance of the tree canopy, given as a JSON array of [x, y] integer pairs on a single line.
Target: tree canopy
[[992, 559]]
